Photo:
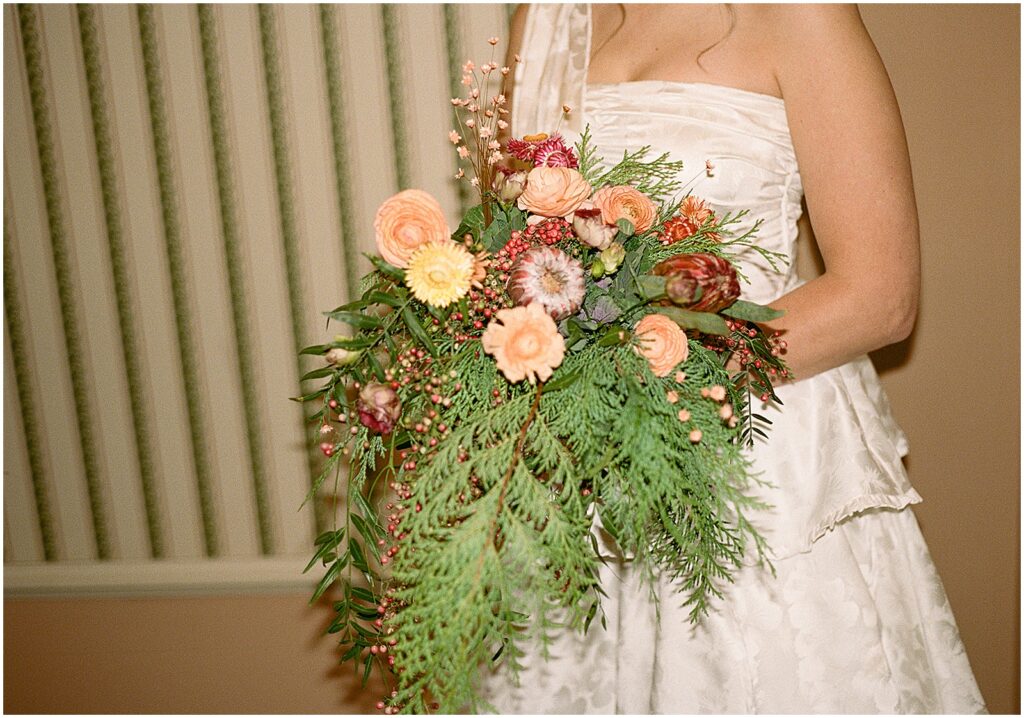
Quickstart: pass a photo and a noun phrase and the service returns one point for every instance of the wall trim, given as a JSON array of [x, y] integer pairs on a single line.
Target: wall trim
[[129, 579]]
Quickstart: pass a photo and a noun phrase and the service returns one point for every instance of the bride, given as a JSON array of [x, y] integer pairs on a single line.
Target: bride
[[767, 105]]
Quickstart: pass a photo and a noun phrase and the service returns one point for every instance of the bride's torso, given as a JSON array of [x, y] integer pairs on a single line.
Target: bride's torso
[[835, 449]]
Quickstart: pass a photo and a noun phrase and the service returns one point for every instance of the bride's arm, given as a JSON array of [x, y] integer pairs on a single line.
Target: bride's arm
[[852, 152]]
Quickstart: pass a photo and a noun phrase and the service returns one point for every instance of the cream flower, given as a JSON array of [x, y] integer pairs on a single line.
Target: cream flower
[[662, 342], [525, 344], [405, 221], [440, 273]]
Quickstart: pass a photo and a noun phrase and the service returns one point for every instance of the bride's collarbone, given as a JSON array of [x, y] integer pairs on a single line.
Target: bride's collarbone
[[683, 53]]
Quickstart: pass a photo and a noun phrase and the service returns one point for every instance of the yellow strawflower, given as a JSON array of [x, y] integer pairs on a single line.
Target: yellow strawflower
[[440, 273]]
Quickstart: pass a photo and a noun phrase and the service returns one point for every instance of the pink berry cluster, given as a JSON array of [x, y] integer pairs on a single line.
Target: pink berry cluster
[[742, 344]]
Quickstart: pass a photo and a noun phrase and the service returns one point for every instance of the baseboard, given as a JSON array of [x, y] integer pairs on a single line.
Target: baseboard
[[161, 577]]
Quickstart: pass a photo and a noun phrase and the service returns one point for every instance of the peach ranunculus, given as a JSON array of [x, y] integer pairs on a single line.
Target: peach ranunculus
[[554, 191], [625, 202], [525, 344], [406, 221], [662, 343]]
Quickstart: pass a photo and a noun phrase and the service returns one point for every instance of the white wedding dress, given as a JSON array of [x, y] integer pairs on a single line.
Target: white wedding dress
[[856, 619]]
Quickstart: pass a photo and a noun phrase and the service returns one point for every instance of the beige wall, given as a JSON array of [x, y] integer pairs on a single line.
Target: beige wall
[[954, 386]]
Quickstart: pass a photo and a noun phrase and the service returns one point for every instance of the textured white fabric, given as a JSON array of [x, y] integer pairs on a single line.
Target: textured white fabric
[[856, 619]]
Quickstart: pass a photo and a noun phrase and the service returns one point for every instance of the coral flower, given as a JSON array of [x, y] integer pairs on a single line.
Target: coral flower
[[662, 342], [625, 202], [554, 191], [440, 273], [525, 343], [404, 222]]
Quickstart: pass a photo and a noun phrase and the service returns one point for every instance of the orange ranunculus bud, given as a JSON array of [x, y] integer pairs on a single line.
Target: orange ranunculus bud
[[404, 222], [625, 202]]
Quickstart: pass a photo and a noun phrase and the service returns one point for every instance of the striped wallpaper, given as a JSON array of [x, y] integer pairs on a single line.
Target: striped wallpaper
[[185, 189]]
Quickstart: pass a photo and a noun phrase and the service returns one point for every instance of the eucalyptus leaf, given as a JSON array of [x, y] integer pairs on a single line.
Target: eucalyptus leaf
[[752, 312], [651, 286], [701, 321], [625, 226]]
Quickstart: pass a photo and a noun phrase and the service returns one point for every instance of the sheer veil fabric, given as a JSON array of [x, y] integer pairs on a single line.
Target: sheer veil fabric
[[855, 619]]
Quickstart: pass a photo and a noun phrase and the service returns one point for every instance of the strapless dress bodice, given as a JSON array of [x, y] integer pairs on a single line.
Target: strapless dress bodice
[[745, 137]]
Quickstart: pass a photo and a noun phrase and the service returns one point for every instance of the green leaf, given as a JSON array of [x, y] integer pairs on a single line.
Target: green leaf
[[363, 595], [388, 270], [318, 373], [651, 286], [625, 226], [375, 367], [358, 304], [561, 382], [611, 337], [516, 218], [752, 312], [329, 536], [358, 557], [352, 343], [352, 652], [391, 300], [329, 578], [356, 319], [417, 330], [496, 235], [701, 321], [368, 669], [472, 222], [309, 397], [315, 349]]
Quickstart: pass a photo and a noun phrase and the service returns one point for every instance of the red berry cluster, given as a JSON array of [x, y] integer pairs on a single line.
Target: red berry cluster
[[550, 231]]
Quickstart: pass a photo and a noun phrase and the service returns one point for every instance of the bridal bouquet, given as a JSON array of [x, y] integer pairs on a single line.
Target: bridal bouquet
[[576, 350]]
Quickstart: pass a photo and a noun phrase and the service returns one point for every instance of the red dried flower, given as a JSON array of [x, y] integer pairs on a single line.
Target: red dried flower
[[543, 151], [554, 153]]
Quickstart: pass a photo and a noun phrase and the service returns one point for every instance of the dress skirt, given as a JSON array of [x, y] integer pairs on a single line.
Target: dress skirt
[[860, 623]]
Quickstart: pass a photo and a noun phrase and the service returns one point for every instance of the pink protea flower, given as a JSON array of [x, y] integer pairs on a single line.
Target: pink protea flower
[[554, 153], [549, 277], [701, 282]]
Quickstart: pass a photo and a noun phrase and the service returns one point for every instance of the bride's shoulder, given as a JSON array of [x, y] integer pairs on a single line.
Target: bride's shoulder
[[796, 29]]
